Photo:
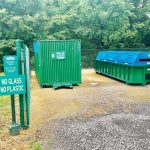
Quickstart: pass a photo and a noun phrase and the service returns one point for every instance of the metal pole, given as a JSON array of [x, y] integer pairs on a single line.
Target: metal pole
[[23, 96], [14, 128], [13, 109], [21, 100], [27, 73]]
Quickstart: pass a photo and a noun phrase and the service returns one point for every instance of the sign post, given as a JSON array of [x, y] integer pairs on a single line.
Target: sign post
[[13, 109], [19, 49], [17, 81], [27, 72], [14, 128]]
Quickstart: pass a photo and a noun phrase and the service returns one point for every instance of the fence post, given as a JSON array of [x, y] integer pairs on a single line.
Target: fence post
[[21, 97], [27, 73]]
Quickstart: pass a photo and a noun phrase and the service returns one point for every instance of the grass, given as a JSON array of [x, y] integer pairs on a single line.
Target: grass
[[1, 73], [4, 101], [5, 111], [0, 128], [35, 146], [5, 105]]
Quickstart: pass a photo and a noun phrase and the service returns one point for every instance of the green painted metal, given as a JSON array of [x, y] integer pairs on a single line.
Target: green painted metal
[[27, 72], [21, 97], [126, 73], [14, 128], [24, 99], [17, 81], [58, 62], [13, 109], [10, 85]]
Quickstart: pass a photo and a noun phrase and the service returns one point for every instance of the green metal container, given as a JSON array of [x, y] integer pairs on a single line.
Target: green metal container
[[132, 68], [58, 62]]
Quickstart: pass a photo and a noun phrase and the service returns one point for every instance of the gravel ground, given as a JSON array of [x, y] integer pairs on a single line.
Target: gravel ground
[[123, 124], [111, 132]]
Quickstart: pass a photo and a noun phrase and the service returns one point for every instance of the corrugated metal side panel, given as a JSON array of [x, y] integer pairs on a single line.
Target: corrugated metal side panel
[[60, 62], [129, 74]]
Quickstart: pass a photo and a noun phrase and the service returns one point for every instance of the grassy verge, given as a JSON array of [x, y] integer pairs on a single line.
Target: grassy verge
[[5, 111], [34, 146], [1, 73], [5, 105]]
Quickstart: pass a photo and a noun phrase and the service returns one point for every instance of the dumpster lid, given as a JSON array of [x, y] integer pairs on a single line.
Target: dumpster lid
[[125, 57]]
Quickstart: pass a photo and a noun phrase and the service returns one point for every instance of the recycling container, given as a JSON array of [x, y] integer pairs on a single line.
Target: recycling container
[[130, 67], [58, 62]]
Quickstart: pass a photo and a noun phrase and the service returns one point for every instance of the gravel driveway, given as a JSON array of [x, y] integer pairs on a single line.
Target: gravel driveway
[[110, 116]]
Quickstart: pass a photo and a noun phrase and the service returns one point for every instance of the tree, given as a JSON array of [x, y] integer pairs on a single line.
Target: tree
[[98, 23]]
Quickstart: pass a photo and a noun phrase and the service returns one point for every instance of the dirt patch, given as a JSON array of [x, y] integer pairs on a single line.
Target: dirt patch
[[138, 93]]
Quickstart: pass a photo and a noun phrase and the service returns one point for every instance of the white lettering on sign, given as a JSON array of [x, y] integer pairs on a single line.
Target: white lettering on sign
[[12, 85], [53, 55], [12, 89], [60, 55], [4, 81], [10, 58], [3, 89], [11, 81]]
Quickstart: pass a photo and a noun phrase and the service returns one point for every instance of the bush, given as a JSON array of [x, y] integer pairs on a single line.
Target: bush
[[7, 47]]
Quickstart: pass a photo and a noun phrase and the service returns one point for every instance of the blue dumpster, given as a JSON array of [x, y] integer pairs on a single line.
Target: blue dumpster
[[130, 67]]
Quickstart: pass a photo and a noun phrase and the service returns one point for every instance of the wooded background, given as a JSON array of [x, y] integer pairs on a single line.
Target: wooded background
[[100, 24]]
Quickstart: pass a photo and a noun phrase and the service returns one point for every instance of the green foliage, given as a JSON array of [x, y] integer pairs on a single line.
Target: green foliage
[[98, 23], [7, 47]]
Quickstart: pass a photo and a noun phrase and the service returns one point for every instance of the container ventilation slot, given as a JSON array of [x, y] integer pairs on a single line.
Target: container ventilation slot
[[144, 59], [147, 77]]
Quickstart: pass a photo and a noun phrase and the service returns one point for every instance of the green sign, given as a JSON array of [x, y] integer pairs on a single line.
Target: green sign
[[12, 85], [10, 65]]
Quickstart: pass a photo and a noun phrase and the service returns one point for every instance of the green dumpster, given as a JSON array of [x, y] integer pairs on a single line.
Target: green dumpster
[[58, 62], [130, 67]]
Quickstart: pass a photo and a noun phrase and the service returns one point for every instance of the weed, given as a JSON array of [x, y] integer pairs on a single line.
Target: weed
[[35, 146]]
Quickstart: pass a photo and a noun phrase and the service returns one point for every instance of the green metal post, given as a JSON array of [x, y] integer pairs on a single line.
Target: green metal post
[[27, 72], [13, 109], [14, 128], [21, 99]]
